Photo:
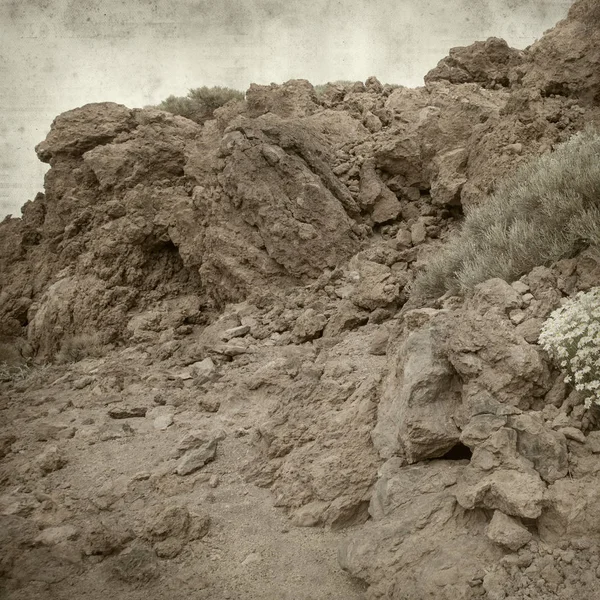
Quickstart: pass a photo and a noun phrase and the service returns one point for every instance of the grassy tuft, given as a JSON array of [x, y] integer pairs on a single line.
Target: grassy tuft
[[78, 347], [547, 210]]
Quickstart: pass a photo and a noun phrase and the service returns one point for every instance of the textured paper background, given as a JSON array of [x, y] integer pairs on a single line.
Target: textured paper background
[[59, 54]]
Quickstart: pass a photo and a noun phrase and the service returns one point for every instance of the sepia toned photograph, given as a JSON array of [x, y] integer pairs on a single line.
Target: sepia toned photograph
[[300, 300]]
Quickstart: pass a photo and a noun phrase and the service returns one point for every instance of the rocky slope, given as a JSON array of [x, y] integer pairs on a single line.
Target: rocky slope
[[242, 291]]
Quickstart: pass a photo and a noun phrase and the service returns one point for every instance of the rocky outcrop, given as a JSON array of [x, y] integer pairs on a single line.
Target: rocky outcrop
[[463, 386], [564, 62], [486, 63], [141, 206]]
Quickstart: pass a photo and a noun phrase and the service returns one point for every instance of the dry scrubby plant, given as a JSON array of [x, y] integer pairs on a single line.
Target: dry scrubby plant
[[548, 210], [200, 103], [78, 347], [571, 336], [13, 372]]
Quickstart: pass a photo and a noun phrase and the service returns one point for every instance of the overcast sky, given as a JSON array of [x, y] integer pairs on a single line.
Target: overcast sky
[[59, 54]]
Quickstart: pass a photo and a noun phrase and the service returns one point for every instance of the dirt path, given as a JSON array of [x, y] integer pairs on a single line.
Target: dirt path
[[91, 507]]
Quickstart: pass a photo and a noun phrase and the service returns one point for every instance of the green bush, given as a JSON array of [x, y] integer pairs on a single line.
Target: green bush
[[200, 103], [548, 210]]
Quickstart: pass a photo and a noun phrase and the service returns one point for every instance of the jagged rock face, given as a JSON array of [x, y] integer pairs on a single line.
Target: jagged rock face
[[269, 204], [330, 403], [136, 208], [401, 553], [485, 63], [140, 205], [465, 377], [296, 98], [565, 61]]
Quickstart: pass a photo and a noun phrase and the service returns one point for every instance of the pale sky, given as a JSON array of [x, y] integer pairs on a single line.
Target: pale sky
[[56, 55]]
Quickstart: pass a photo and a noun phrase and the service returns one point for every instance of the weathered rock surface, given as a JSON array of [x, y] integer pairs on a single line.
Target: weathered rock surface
[[486, 63], [564, 61]]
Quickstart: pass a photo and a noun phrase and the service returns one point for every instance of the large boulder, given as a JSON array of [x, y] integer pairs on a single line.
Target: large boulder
[[420, 399], [420, 543], [486, 63]]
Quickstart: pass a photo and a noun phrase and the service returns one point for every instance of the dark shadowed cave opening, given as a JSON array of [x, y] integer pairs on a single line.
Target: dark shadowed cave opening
[[458, 452]]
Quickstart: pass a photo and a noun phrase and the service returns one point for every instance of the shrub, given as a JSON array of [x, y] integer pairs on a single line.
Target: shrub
[[200, 103], [571, 336], [548, 210], [78, 347], [13, 372]]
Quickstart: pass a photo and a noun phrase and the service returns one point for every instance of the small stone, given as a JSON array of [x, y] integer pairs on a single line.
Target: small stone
[[418, 233], [379, 315], [127, 412], [507, 531], [230, 349], [195, 440], [234, 332], [185, 375], [561, 421], [163, 422], [572, 433], [213, 481], [520, 287], [379, 342], [114, 431], [372, 122], [167, 523], [343, 168], [530, 330], [568, 556], [387, 207], [254, 557], [514, 148], [517, 316], [51, 460], [309, 325], [56, 535], [202, 370], [159, 399], [210, 405], [82, 382], [196, 459], [403, 239]]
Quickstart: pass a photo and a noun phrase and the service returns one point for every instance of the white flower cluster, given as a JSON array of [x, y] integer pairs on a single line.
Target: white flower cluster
[[571, 336]]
